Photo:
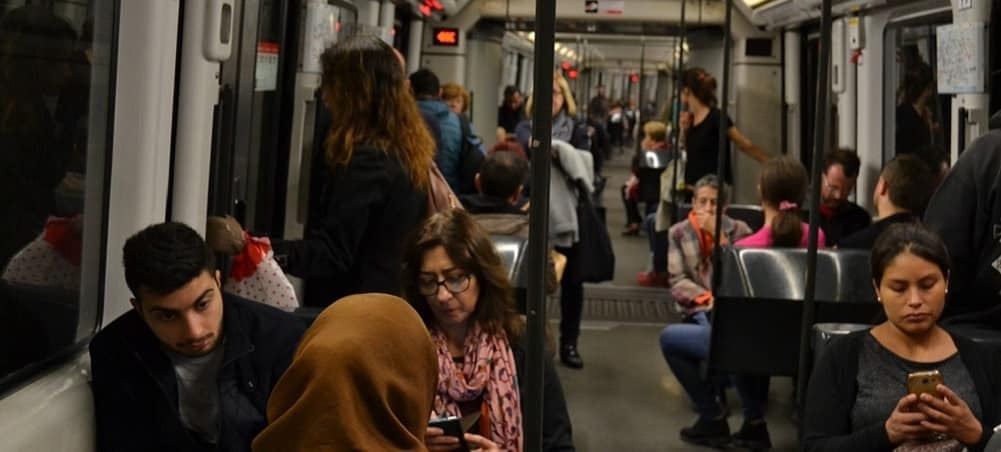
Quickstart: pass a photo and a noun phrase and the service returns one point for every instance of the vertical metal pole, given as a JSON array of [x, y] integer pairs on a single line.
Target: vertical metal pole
[[542, 120], [821, 124], [679, 69], [639, 97], [724, 143]]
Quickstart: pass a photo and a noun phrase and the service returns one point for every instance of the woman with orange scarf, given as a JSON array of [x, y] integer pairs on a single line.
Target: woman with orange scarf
[[457, 282]]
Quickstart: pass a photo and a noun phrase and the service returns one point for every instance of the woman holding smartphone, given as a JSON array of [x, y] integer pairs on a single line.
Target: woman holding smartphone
[[858, 397], [454, 278]]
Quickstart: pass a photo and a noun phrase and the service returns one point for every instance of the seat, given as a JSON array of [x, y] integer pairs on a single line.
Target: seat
[[753, 215], [758, 312], [824, 333]]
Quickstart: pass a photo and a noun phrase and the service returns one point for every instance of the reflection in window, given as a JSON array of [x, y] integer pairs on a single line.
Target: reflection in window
[[54, 73], [920, 115]]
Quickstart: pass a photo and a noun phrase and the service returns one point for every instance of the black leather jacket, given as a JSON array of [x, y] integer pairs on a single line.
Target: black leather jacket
[[135, 387]]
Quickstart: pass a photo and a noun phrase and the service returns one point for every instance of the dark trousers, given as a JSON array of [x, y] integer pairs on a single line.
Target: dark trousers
[[571, 297], [685, 347], [658, 243]]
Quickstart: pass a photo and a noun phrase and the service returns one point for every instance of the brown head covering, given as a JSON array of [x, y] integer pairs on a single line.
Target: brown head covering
[[363, 378]]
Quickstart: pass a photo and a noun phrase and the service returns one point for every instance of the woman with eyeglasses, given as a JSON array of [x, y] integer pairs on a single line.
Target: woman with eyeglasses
[[457, 282]]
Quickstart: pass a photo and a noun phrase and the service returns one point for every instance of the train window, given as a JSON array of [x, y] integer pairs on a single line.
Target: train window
[[916, 116], [56, 69]]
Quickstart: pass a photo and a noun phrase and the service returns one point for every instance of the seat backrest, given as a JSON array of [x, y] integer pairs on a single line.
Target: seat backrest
[[780, 273], [753, 215], [512, 251]]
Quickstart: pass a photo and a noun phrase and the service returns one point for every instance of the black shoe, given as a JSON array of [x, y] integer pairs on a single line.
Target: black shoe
[[707, 432], [753, 436], [570, 358]]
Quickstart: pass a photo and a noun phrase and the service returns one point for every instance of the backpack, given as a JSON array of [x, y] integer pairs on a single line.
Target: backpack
[[471, 157]]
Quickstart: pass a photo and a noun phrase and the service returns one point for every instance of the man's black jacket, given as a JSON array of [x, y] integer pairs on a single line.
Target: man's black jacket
[[135, 387]]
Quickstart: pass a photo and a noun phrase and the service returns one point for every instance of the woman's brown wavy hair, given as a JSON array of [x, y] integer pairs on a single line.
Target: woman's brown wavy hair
[[365, 89], [470, 249]]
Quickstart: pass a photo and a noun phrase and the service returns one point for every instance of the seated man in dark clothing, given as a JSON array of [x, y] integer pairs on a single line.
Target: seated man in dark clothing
[[499, 184], [189, 368], [495, 206], [965, 212], [900, 196], [840, 217]]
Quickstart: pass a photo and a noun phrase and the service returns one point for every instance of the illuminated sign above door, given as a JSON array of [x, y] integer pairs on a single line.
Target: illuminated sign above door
[[448, 37]]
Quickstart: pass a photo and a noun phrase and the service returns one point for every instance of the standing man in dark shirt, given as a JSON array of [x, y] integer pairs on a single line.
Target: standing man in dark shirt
[[599, 106], [189, 368], [965, 212], [900, 197], [840, 217], [511, 111]]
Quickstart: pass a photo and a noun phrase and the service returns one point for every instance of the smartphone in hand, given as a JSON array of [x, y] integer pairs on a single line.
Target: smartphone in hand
[[452, 426], [924, 382]]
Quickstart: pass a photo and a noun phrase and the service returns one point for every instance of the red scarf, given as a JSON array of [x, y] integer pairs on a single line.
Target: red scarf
[[63, 235], [705, 238], [488, 372]]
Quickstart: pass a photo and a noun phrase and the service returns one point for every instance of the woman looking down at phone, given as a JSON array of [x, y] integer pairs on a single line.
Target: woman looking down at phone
[[858, 397], [457, 282]]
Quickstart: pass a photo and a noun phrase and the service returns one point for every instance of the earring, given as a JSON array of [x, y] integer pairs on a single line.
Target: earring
[[879, 299]]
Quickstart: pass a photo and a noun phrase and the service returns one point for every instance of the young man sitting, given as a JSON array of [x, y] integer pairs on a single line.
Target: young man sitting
[[901, 196], [188, 368]]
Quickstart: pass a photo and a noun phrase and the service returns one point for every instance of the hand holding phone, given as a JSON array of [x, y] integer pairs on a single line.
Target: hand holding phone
[[924, 382], [451, 427]]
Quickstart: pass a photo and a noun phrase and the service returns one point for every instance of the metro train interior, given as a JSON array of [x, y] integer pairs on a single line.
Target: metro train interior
[[117, 114]]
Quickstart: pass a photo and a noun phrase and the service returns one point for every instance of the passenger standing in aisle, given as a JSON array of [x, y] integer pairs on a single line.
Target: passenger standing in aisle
[[510, 112], [566, 129], [379, 154], [966, 213], [456, 280], [700, 122], [840, 217], [427, 89], [914, 120]]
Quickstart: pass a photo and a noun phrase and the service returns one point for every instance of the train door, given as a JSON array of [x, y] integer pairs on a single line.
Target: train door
[[263, 136]]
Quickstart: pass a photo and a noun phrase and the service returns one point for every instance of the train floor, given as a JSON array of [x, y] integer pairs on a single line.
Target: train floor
[[625, 397]]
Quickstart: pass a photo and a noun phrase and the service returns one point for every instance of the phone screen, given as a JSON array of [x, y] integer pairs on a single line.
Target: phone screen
[[452, 426]]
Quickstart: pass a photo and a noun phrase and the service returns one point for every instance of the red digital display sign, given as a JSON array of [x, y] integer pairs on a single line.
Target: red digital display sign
[[448, 37]]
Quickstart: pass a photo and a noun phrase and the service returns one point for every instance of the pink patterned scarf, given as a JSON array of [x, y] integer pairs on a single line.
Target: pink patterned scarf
[[488, 371]]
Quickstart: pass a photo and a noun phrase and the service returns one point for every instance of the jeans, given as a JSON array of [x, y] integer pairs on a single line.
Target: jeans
[[685, 347]]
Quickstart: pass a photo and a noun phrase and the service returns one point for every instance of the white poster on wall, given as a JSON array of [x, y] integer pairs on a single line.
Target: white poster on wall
[[962, 58], [320, 32], [266, 71]]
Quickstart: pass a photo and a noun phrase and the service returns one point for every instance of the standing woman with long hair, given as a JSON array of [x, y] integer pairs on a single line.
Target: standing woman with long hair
[[378, 154], [700, 129]]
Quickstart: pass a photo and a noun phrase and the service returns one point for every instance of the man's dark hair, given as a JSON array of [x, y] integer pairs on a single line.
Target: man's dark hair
[[907, 180], [510, 90], [425, 84], [502, 173], [847, 159], [164, 257]]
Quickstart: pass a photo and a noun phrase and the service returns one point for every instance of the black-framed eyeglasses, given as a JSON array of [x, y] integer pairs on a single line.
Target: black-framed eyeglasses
[[455, 284]]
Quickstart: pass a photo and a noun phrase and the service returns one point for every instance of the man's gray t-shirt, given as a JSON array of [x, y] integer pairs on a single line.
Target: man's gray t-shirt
[[198, 392], [882, 382]]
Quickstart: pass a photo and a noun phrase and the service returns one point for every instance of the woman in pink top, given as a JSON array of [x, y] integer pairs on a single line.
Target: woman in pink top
[[783, 187]]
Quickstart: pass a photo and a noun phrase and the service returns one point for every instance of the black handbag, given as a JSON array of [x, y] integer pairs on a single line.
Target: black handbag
[[596, 258]]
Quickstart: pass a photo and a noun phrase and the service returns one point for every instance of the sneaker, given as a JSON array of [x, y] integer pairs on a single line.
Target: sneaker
[[707, 432], [570, 357], [753, 435]]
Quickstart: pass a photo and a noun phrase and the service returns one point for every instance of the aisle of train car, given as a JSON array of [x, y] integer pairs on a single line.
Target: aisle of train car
[[626, 398]]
